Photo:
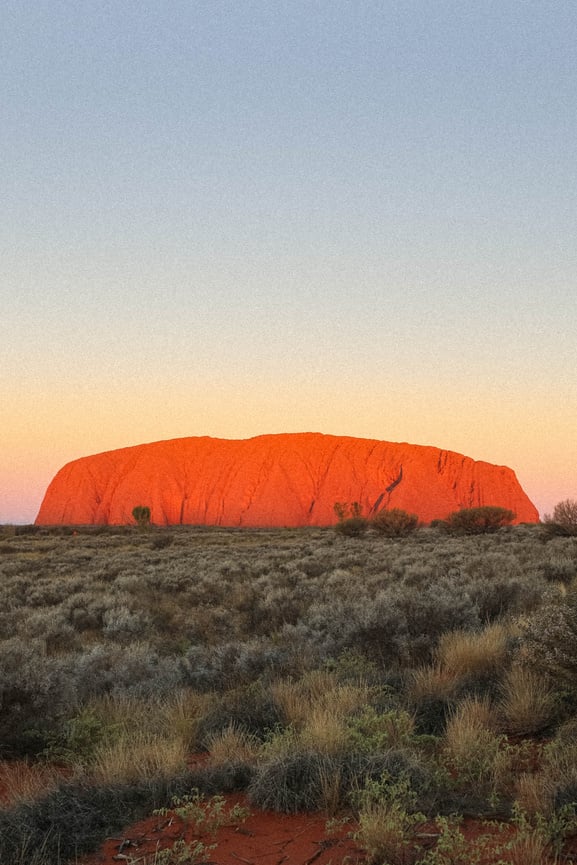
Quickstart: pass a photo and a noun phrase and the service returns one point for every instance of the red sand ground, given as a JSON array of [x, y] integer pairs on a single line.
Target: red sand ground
[[268, 838], [265, 838]]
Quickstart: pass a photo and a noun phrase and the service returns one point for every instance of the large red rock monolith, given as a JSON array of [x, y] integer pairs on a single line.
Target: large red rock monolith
[[274, 480]]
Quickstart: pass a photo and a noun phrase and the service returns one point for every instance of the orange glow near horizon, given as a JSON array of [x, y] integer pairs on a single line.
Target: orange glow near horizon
[[50, 427], [25, 479]]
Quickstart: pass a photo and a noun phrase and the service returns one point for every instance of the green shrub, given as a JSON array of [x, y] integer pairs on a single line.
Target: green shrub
[[395, 523], [475, 521], [205, 816], [370, 731], [78, 740], [184, 853], [452, 847]]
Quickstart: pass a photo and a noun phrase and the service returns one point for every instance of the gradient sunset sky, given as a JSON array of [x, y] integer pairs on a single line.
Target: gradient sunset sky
[[235, 217]]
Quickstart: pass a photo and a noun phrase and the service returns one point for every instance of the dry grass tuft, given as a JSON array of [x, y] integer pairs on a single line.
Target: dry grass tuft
[[181, 715], [529, 848], [386, 833], [330, 781], [167, 717], [299, 701], [233, 745], [324, 731], [24, 782], [433, 681], [470, 743], [289, 698], [527, 705], [534, 793], [468, 654], [139, 757]]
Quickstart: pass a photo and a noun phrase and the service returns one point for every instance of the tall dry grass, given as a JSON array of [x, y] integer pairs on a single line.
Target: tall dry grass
[[470, 743], [24, 782], [530, 848], [324, 730], [527, 705], [233, 745], [318, 691], [534, 793], [176, 715], [138, 757], [470, 654], [317, 707], [433, 681]]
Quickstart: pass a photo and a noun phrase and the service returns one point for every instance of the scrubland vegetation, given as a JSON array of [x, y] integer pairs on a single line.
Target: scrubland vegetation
[[401, 679]]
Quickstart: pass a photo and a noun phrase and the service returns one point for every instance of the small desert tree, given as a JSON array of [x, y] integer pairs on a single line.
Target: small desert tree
[[564, 519], [395, 523], [141, 515], [350, 519], [475, 521]]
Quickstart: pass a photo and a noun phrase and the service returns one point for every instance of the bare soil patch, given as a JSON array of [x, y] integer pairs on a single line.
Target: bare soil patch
[[265, 838]]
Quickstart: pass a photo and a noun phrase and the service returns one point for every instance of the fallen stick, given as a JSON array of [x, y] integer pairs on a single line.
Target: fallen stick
[[242, 859]]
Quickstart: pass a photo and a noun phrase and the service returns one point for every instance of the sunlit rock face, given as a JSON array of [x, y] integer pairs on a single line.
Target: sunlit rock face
[[274, 480]]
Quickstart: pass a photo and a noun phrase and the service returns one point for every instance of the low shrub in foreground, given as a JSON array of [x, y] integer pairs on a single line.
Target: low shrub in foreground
[[549, 641], [75, 818]]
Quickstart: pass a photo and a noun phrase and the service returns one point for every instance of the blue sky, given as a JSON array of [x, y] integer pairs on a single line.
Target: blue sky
[[232, 218]]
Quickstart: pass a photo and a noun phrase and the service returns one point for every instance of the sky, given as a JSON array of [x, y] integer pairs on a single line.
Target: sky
[[225, 218]]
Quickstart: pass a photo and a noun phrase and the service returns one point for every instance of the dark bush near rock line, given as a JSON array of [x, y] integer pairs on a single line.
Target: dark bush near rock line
[[395, 523], [475, 521], [353, 527], [566, 796]]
